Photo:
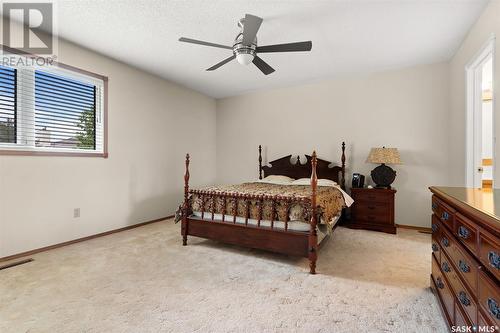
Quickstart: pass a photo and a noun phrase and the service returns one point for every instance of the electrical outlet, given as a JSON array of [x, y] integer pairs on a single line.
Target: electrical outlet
[[76, 212]]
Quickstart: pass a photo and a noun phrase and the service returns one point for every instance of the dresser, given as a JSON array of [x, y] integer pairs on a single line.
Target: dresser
[[373, 209], [466, 256]]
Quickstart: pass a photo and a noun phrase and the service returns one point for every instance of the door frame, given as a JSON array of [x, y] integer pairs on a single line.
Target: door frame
[[474, 102]]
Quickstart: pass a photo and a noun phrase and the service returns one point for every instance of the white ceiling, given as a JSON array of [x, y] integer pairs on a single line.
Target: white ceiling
[[348, 37]]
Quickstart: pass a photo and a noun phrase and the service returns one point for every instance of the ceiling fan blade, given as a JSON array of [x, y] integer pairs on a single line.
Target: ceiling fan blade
[[289, 47], [250, 28], [262, 65], [225, 61], [200, 42]]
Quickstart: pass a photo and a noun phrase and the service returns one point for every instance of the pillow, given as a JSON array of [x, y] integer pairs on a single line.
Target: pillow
[[321, 182], [302, 181], [277, 179], [326, 182]]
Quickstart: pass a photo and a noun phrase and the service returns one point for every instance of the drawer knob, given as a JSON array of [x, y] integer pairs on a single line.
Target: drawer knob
[[445, 267], [463, 232], [445, 216], [493, 307], [445, 242], [462, 297], [434, 205], [434, 227], [463, 266], [440, 283], [434, 247], [494, 259]]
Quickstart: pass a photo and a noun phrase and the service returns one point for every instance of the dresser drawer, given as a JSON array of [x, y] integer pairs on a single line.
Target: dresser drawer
[[489, 298], [443, 289], [443, 211], [466, 266], [446, 241], [466, 232], [436, 236], [460, 318], [374, 196], [462, 295], [489, 253]]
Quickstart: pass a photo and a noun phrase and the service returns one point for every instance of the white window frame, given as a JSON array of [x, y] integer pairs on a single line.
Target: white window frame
[[26, 108]]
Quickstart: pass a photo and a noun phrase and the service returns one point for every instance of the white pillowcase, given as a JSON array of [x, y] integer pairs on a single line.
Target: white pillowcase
[[277, 179], [302, 181], [307, 181]]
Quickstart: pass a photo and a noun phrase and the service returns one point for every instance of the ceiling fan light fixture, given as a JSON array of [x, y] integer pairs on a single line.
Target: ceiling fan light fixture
[[244, 58]]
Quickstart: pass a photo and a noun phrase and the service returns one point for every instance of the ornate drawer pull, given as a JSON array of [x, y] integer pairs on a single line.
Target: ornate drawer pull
[[434, 247], [445, 241], [463, 266], [493, 307], [462, 297], [494, 259], [434, 205], [440, 283], [445, 216], [463, 232], [445, 267], [434, 227]]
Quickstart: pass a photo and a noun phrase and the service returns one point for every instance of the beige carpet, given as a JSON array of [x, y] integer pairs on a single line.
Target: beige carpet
[[143, 280]]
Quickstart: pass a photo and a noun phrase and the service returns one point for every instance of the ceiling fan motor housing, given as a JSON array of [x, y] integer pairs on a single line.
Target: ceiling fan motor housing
[[241, 49]]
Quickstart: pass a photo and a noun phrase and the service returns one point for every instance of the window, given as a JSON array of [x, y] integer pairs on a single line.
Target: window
[[8, 128], [51, 110]]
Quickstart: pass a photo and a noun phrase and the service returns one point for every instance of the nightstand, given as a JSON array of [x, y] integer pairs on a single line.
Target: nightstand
[[373, 209]]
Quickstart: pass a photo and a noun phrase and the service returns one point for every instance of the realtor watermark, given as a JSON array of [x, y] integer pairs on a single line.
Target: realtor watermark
[[28, 34], [475, 329]]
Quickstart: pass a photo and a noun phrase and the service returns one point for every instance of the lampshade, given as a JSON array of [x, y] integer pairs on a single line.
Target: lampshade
[[244, 58], [384, 155]]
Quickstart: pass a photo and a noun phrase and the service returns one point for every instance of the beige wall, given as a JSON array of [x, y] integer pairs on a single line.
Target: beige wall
[[407, 109], [152, 123], [488, 24]]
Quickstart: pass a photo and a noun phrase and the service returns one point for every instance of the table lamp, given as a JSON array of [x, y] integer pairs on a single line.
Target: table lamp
[[383, 176]]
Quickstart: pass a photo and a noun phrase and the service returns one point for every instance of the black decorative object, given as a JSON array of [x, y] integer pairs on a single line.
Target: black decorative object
[[383, 175]]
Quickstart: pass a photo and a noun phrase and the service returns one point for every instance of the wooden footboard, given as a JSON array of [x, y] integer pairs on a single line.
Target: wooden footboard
[[228, 230]]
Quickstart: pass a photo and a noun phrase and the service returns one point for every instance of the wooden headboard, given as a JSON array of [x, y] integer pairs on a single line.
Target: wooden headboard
[[284, 166]]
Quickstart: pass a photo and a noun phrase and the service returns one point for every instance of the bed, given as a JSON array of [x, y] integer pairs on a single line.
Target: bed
[[291, 209]]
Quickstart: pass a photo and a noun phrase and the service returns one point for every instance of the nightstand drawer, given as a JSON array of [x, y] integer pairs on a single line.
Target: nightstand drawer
[[371, 208], [373, 196]]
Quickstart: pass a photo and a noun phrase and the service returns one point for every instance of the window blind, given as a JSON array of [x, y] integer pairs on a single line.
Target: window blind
[[50, 109], [8, 112], [65, 112]]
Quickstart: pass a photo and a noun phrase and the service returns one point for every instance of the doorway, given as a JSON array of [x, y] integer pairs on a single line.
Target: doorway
[[480, 119]]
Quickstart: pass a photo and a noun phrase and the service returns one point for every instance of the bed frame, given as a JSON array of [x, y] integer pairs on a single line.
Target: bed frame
[[285, 241]]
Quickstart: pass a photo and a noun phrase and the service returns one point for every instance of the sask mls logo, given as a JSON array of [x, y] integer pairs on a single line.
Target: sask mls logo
[[28, 27]]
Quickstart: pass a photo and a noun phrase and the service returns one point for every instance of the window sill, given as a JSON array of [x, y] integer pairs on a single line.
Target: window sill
[[51, 153]]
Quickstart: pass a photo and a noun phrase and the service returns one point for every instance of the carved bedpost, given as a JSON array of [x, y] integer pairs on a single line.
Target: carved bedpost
[[313, 234], [260, 162], [185, 207], [342, 179]]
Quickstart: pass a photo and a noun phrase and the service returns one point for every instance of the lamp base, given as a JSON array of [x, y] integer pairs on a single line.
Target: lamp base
[[383, 176]]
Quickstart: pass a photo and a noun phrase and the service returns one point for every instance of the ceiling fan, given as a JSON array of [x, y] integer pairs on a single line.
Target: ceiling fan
[[245, 47]]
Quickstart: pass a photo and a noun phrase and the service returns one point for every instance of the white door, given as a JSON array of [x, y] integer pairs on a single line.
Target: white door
[[480, 137]]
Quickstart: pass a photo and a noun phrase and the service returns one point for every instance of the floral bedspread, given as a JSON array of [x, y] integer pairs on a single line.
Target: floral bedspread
[[330, 201]]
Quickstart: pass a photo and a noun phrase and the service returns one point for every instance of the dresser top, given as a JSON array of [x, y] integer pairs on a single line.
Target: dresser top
[[483, 201]]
